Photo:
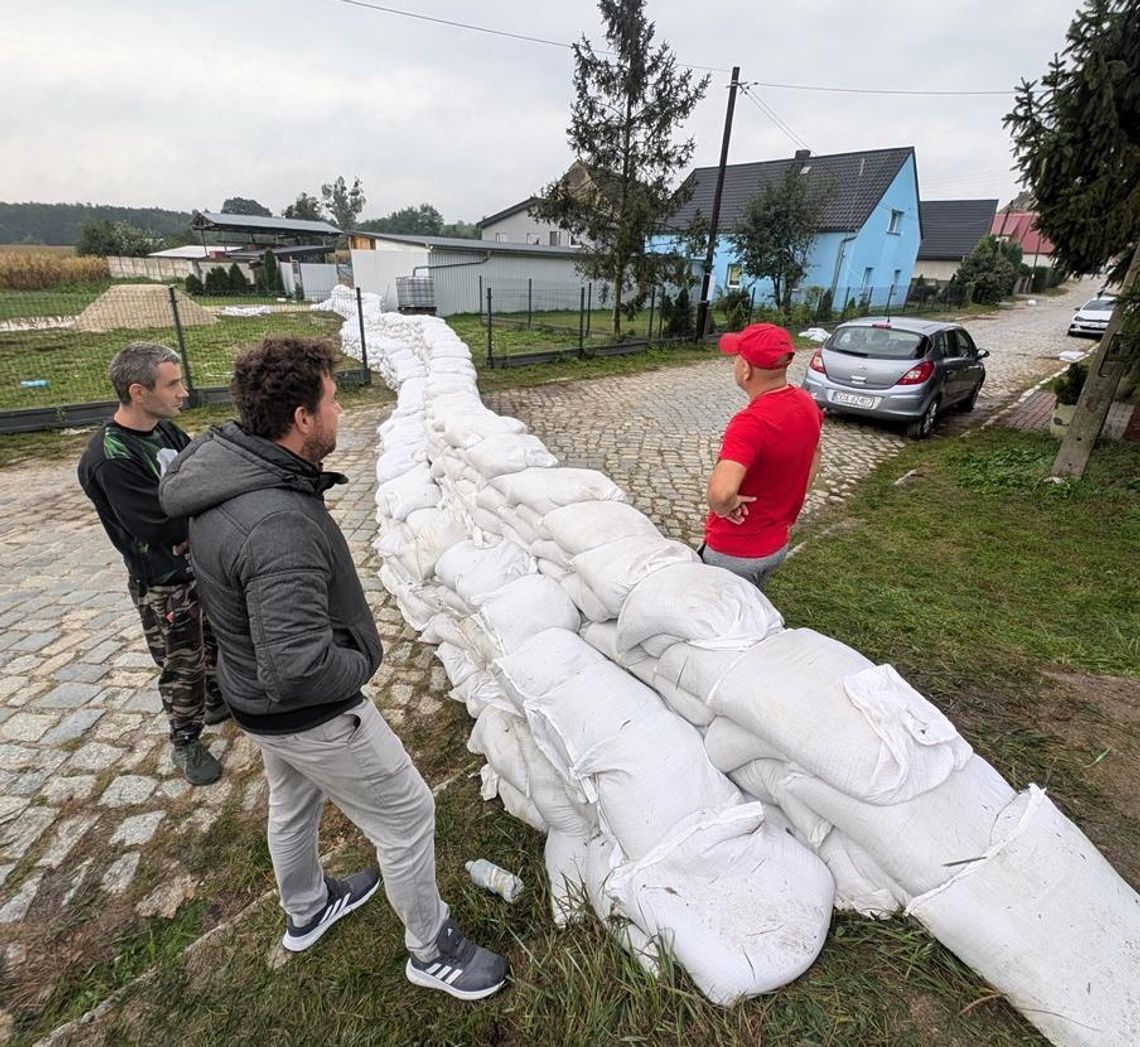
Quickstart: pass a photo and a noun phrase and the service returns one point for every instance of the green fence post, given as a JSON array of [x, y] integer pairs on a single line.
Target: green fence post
[[187, 377]]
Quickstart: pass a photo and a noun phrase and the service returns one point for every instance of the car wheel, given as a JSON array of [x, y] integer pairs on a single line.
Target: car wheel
[[967, 405], [920, 428]]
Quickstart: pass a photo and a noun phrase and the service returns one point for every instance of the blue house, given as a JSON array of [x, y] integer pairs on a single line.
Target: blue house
[[868, 236]]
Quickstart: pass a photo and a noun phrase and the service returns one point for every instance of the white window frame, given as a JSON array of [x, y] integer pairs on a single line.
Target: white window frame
[[555, 238], [729, 282], [895, 226], [501, 238], [533, 238]]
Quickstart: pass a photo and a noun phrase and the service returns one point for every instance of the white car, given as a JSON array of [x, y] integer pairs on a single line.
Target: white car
[[1091, 320]]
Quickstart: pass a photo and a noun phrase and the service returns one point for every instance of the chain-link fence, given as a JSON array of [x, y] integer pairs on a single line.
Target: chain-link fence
[[55, 346]]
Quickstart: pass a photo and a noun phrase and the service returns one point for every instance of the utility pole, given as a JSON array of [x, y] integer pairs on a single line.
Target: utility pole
[[706, 278]]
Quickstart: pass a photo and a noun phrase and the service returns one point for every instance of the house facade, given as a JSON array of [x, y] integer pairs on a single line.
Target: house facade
[[1020, 227], [518, 225], [951, 229], [869, 232]]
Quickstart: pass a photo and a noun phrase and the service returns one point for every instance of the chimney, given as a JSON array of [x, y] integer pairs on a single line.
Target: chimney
[[802, 154]]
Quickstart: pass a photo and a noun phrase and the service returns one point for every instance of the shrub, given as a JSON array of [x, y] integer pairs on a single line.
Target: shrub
[[194, 286], [238, 284], [734, 306], [826, 306], [681, 322], [991, 271], [1069, 384], [217, 281]]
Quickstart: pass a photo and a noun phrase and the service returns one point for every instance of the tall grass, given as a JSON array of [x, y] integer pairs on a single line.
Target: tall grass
[[41, 271]]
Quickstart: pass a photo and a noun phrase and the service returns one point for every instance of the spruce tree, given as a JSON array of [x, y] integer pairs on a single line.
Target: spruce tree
[[629, 102]]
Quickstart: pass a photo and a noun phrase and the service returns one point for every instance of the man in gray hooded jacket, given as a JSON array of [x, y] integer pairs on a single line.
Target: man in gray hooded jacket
[[297, 641]]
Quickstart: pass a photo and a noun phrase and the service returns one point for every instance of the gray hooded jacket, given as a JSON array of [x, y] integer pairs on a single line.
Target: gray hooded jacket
[[276, 576]]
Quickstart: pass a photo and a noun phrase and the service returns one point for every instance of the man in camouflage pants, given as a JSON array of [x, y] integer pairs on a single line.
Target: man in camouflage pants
[[119, 472]]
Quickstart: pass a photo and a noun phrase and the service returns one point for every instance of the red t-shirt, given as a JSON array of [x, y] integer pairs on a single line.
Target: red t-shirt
[[774, 438]]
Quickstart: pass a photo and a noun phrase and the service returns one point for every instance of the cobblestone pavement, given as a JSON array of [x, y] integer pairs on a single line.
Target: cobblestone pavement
[[84, 759]]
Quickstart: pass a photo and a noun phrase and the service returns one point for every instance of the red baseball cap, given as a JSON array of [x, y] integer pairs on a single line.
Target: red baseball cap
[[762, 345]]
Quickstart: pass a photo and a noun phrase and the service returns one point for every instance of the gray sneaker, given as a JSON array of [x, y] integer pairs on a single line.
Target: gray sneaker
[[343, 896], [460, 968], [196, 763]]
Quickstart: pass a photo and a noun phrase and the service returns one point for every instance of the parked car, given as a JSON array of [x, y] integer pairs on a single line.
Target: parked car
[[1091, 320], [897, 369]]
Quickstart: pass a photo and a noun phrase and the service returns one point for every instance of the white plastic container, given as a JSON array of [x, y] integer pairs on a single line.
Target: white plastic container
[[491, 878]]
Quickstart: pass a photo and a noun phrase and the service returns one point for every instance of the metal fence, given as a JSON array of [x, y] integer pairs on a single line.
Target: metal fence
[[55, 346]]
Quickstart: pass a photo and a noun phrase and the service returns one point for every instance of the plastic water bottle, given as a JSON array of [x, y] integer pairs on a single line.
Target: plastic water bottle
[[34, 383], [490, 877]]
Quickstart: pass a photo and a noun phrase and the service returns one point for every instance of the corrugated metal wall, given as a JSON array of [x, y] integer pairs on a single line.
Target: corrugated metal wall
[[554, 281]]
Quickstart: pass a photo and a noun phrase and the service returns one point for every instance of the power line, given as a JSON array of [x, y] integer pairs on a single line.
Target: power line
[[771, 114], [879, 90]]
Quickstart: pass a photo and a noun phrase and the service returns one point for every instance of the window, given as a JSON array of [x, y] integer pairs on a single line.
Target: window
[[553, 237], [868, 276], [574, 241], [735, 274], [532, 238], [500, 238], [966, 345], [896, 223]]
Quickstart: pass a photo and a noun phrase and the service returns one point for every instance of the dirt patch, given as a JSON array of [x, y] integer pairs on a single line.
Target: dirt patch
[[140, 306]]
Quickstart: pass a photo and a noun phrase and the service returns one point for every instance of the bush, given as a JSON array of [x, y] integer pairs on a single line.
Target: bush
[[1068, 385], [194, 287], [268, 277], [826, 306], [850, 310], [217, 281], [990, 270], [238, 284], [681, 323], [735, 307]]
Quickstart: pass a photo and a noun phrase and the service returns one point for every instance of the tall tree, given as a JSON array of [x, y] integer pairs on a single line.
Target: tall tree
[[424, 220], [1076, 140], [629, 102], [242, 205], [305, 207], [344, 202], [778, 228], [103, 238]]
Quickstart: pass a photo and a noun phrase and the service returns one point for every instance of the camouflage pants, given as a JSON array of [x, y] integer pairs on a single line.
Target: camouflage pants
[[182, 645]]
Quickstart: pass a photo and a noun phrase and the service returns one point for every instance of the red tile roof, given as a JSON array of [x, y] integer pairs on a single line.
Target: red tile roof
[[1019, 226]]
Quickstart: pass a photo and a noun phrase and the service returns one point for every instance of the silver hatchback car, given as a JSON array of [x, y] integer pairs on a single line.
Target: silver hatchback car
[[897, 369]]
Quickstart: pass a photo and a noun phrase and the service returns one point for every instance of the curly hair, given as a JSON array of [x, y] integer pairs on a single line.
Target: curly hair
[[273, 379]]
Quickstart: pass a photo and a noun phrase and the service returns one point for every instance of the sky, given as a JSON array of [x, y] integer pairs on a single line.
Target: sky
[[157, 103]]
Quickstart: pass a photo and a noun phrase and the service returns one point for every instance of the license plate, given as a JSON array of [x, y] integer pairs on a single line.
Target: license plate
[[852, 400]]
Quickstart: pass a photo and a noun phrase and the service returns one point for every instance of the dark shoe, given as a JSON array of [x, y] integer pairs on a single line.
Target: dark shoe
[[196, 763], [460, 968], [344, 896], [217, 714]]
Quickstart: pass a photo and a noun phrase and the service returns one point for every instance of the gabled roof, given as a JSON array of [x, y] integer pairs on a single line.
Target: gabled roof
[[459, 243], [506, 212], [1021, 228], [860, 181], [245, 223], [951, 229]]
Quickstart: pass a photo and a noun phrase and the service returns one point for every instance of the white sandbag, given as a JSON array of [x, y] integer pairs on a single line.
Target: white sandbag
[[549, 550], [561, 808], [552, 570], [433, 532], [613, 569], [650, 776], [564, 856], [476, 572], [730, 746], [546, 660], [457, 663], [466, 431], [601, 859], [584, 710], [860, 884], [584, 599], [583, 526], [791, 690], [509, 453], [542, 490], [767, 780], [1046, 920], [395, 463], [520, 807], [697, 670], [528, 605], [496, 736], [921, 842], [686, 705], [718, 892], [602, 636], [413, 490], [443, 627], [480, 691], [707, 606]]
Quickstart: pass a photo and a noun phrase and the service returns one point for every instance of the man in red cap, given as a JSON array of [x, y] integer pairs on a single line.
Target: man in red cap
[[768, 459]]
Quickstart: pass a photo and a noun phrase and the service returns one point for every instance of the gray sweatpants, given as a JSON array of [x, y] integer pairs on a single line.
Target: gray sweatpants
[[356, 761], [756, 570]]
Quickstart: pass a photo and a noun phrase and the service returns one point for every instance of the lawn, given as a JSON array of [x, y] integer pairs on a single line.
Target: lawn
[[1010, 601]]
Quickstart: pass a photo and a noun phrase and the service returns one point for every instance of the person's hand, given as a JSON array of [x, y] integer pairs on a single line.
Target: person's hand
[[738, 512], [181, 548]]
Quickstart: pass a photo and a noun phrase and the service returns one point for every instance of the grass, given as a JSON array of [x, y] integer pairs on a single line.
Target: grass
[[973, 577]]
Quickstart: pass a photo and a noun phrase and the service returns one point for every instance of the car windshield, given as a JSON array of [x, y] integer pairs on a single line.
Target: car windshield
[[1099, 305], [884, 343]]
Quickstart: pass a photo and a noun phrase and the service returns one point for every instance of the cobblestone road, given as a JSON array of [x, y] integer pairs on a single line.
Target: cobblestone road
[[83, 750]]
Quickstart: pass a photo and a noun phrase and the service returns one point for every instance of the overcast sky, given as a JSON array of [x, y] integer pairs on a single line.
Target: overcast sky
[[180, 105]]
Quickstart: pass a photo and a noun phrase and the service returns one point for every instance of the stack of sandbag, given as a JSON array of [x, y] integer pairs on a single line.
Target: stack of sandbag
[[686, 754]]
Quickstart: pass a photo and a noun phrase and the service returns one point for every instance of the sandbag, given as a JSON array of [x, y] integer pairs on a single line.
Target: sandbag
[[508, 453], [408, 492], [860, 884], [708, 606], [476, 572], [528, 605], [496, 736], [584, 599], [584, 526], [542, 490], [546, 660], [651, 775], [717, 893], [730, 746], [612, 570], [1044, 918]]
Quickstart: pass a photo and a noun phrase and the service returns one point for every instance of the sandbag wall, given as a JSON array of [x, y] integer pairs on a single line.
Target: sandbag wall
[[706, 777]]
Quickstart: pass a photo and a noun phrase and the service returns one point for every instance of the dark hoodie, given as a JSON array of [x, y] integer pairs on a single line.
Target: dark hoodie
[[296, 637]]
